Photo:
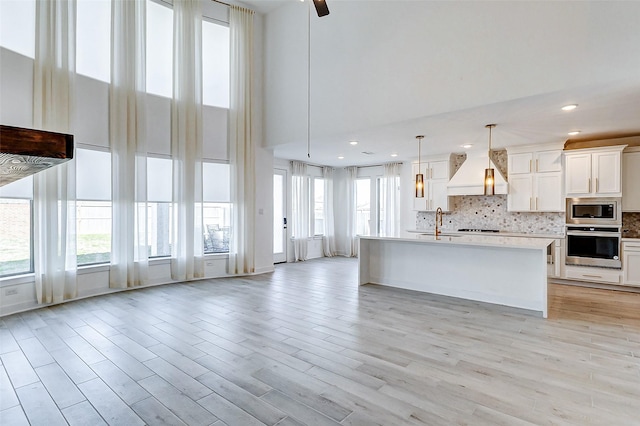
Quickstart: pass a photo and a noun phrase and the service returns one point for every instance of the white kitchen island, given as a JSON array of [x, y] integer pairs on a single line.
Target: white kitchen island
[[509, 271]]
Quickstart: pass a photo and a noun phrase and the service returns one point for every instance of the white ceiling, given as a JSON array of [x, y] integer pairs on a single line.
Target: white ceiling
[[605, 108]]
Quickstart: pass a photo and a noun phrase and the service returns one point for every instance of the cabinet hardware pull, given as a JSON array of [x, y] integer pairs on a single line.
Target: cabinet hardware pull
[[536, 203], [589, 185], [530, 167], [537, 164], [530, 203], [592, 276], [597, 185]]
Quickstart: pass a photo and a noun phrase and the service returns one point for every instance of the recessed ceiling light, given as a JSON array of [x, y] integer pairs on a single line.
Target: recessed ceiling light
[[353, 142], [467, 145], [340, 157], [570, 107], [575, 132], [394, 155]]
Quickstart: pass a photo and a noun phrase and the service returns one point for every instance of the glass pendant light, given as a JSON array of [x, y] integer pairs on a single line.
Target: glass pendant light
[[489, 180], [419, 176]]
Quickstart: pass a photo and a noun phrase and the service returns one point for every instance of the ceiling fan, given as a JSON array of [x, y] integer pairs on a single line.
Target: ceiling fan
[[321, 7]]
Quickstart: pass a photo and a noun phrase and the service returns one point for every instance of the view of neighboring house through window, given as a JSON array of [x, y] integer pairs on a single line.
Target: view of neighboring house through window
[[16, 236], [93, 206]]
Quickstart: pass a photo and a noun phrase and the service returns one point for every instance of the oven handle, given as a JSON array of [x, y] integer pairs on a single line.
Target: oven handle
[[595, 234]]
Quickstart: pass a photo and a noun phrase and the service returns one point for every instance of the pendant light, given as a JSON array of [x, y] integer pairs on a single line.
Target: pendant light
[[419, 176], [489, 180]]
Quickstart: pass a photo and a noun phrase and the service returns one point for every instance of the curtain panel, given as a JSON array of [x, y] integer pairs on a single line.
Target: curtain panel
[[241, 143], [329, 238], [300, 209], [391, 199], [54, 221], [350, 210], [127, 138], [186, 141]]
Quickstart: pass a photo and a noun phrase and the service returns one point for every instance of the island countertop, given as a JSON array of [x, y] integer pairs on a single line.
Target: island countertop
[[475, 240]]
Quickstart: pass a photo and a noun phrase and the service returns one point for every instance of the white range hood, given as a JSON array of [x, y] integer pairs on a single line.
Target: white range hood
[[469, 179]]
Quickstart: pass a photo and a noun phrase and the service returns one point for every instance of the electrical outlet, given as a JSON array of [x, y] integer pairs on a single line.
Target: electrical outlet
[[11, 291]]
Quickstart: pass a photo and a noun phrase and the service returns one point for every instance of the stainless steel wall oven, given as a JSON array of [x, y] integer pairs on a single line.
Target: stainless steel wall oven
[[593, 246]]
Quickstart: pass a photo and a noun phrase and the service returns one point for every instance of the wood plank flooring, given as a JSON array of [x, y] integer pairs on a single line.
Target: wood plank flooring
[[307, 346]]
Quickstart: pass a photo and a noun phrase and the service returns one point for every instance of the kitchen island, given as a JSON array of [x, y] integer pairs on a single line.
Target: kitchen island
[[509, 271]]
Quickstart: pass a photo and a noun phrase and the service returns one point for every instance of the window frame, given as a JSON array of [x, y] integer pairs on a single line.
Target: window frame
[[31, 271]]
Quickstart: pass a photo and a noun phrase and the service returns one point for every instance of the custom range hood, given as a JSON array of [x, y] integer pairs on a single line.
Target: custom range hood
[[469, 179], [24, 152]]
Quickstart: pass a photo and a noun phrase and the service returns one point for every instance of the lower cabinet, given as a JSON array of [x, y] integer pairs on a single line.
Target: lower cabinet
[[598, 275], [631, 263]]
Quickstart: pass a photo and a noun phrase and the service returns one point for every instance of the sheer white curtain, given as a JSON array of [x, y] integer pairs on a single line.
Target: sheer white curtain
[[352, 238], [329, 238], [54, 221], [186, 141], [242, 153], [300, 209], [127, 135], [391, 199]]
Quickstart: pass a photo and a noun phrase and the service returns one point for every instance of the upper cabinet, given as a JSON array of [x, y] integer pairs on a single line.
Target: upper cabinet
[[535, 178], [631, 180], [437, 172], [594, 172]]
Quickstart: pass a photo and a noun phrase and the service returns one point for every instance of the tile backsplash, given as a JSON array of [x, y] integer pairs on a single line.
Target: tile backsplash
[[631, 225], [490, 212]]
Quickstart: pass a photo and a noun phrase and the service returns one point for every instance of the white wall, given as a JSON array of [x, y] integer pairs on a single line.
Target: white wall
[[381, 62]]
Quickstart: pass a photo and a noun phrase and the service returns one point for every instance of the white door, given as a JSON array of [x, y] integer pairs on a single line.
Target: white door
[[279, 215]]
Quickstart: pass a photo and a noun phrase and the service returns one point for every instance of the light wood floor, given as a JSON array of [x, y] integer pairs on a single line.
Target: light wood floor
[[305, 345]]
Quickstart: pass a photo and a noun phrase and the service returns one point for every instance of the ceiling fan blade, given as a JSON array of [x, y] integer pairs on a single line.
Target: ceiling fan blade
[[321, 7]]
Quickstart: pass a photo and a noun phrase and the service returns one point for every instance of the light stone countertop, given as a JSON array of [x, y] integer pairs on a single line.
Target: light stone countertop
[[474, 240], [488, 234]]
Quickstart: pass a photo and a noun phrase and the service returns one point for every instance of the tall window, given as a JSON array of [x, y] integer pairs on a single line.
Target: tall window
[[16, 235], [18, 26], [93, 206], [318, 206], [93, 39], [159, 49], [217, 207], [363, 206], [159, 223], [215, 64]]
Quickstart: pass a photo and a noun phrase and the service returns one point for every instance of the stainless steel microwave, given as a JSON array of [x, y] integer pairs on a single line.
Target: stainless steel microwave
[[594, 211]]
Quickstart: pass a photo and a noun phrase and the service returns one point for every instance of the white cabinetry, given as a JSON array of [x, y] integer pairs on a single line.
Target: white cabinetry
[[631, 263], [600, 275], [437, 172], [535, 178], [594, 172], [631, 180]]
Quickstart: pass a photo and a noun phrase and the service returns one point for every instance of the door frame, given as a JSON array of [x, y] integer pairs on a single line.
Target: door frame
[[282, 256]]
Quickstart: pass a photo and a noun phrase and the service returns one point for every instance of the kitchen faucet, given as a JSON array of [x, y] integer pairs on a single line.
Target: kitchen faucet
[[438, 220]]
